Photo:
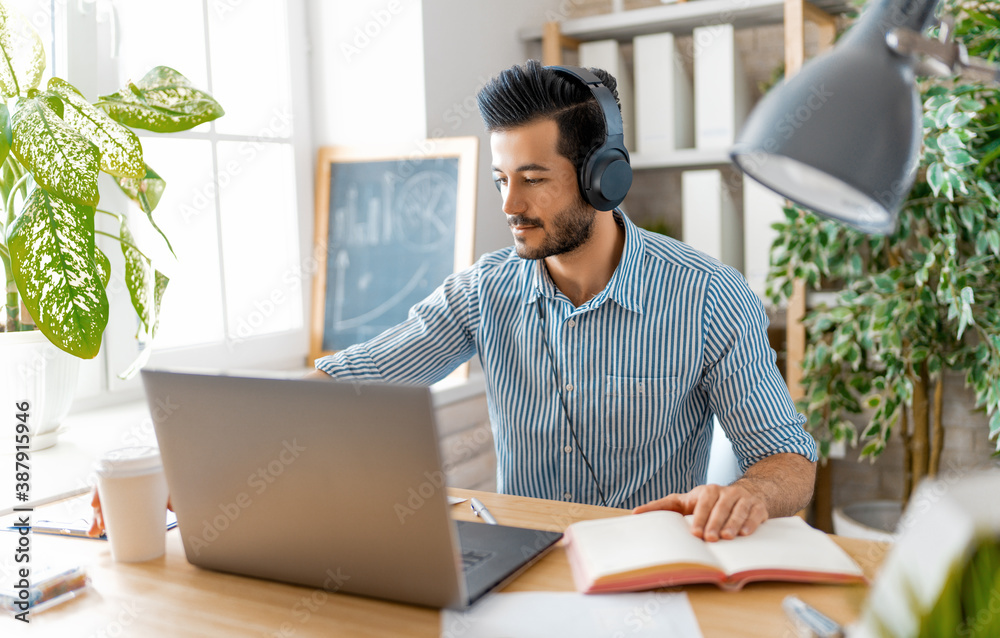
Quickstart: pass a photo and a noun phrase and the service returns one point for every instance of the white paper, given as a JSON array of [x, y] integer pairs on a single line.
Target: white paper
[[547, 614]]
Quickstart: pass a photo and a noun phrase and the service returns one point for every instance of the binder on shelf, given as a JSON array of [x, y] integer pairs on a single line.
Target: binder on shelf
[[711, 219], [664, 100], [607, 55], [721, 91], [761, 208]]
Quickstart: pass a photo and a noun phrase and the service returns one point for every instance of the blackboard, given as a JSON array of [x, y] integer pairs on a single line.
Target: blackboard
[[391, 224]]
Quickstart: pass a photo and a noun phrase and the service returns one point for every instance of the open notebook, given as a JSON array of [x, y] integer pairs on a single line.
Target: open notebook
[[657, 549]]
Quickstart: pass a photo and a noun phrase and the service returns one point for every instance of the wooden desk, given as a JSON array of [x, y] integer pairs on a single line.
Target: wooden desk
[[170, 597]]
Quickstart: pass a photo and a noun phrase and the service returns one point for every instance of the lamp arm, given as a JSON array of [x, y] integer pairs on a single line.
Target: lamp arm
[[941, 58]]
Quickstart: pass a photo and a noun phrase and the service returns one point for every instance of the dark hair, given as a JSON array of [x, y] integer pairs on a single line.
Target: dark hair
[[527, 93]]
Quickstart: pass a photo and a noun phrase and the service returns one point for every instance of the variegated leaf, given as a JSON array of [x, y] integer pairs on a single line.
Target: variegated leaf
[[158, 289], [121, 152], [103, 266], [146, 192], [22, 57], [5, 135], [139, 279], [53, 255], [162, 101], [61, 160], [146, 340]]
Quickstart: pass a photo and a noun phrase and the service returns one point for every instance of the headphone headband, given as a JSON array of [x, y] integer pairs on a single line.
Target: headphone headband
[[605, 175]]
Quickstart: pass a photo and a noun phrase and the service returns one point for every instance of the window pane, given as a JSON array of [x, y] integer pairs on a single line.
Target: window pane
[[192, 304], [250, 72], [260, 243], [162, 34], [38, 14]]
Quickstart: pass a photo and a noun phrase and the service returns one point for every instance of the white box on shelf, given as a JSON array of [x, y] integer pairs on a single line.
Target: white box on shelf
[[664, 101], [607, 55], [721, 91], [761, 208], [711, 219]]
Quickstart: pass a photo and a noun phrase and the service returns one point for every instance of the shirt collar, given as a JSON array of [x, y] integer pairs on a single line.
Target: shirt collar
[[626, 285]]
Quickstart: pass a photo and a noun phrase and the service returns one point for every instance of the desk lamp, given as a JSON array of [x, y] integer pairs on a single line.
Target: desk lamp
[[842, 137]]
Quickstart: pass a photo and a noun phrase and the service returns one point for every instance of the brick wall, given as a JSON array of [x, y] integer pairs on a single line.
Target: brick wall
[[966, 447]]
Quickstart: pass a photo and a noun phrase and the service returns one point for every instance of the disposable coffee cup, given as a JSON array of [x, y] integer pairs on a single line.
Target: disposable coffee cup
[[133, 493]]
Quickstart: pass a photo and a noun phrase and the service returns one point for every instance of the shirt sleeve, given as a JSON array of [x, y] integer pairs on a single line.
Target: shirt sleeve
[[437, 336], [744, 387]]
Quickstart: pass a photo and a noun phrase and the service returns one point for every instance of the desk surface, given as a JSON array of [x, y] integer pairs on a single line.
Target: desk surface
[[169, 596]]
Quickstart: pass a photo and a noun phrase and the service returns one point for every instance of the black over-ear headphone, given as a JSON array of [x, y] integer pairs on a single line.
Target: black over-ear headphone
[[605, 175]]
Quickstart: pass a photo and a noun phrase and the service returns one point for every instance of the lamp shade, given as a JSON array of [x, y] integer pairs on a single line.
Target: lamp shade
[[842, 137]]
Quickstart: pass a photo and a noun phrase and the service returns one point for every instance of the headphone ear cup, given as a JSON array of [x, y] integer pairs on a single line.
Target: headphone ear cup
[[607, 178]]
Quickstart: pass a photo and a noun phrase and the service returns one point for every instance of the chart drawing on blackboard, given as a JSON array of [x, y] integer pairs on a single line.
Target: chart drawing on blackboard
[[391, 228]]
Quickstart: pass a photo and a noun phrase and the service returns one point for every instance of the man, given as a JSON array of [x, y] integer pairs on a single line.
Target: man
[[606, 348]]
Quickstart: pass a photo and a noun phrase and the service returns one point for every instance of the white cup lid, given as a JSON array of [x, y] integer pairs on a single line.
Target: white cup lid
[[129, 461]]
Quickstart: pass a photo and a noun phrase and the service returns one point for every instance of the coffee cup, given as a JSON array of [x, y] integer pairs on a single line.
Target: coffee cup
[[133, 493]]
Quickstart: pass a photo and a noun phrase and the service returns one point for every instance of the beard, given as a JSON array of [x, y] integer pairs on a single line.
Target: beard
[[568, 229]]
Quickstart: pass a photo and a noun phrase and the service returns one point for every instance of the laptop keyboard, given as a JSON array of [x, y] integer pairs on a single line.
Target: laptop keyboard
[[471, 558]]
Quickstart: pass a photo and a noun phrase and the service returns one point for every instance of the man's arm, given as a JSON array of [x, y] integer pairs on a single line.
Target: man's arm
[[778, 485]]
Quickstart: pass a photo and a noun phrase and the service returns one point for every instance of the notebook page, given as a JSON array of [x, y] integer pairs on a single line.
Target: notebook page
[[622, 544], [784, 543]]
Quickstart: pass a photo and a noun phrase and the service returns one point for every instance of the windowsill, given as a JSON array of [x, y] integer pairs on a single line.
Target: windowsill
[[65, 469]]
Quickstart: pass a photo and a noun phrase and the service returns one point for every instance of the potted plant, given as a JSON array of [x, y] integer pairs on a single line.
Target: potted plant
[[920, 302], [53, 145]]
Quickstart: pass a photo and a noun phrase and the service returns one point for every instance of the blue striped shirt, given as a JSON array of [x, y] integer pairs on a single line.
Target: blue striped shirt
[[674, 338]]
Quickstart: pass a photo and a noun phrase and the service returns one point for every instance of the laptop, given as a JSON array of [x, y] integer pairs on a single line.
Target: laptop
[[327, 484]]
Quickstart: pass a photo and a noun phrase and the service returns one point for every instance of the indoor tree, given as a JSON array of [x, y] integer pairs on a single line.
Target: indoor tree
[[916, 303]]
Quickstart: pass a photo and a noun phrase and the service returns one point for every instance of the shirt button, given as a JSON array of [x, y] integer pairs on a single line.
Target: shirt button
[[569, 387], [567, 496], [568, 449], [571, 323]]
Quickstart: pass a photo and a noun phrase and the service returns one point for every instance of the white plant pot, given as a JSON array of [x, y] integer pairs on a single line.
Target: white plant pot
[[33, 370], [870, 520]]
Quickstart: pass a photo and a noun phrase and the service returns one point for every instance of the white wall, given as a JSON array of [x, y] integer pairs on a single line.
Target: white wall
[[390, 71], [366, 71], [466, 42]]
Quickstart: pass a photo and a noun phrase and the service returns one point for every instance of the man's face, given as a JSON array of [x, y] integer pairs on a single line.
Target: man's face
[[544, 209]]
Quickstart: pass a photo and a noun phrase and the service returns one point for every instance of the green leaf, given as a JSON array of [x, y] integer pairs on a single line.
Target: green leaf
[[103, 266], [958, 158], [121, 152], [146, 192], [958, 120], [935, 177], [139, 278], [61, 160], [23, 57], [159, 287], [5, 134], [162, 101], [54, 257]]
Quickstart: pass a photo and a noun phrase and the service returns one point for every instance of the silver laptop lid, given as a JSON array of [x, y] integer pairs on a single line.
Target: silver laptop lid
[[327, 484]]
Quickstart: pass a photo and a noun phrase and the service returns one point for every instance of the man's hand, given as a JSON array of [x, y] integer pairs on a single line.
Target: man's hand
[[718, 511], [778, 485]]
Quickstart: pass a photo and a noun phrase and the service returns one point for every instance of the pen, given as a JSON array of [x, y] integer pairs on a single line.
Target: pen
[[481, 511], [808, 618]]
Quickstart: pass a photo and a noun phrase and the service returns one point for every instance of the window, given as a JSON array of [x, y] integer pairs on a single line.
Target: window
[[238, 189]]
